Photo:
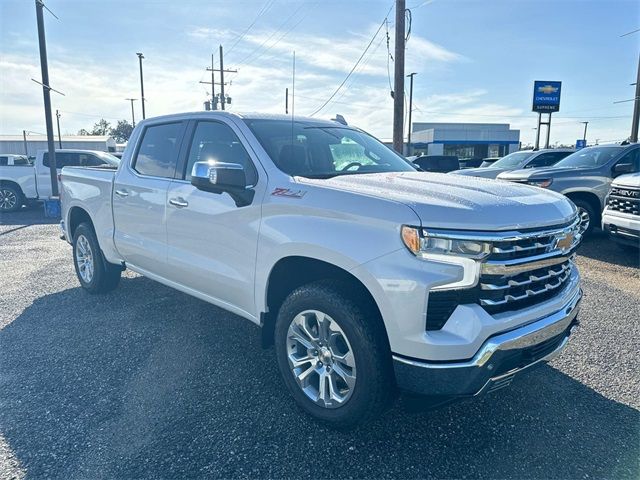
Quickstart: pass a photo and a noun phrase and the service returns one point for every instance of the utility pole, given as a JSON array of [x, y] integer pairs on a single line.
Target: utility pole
[[398, 88], [58, 122], [636, 108], [286, 101], [47, 98], [133, 115], [24, 139], [410, 110], [584, 136], [222, 82], [140, 57]]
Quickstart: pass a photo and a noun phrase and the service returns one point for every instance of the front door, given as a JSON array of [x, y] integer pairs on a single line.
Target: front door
[[212, 242]]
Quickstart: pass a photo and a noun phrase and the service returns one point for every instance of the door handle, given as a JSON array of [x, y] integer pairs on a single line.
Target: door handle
[[179, 202], [122, 193]]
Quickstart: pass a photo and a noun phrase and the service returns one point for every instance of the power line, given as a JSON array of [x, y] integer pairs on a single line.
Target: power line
[[355, 66], [262, 11], [273, 34]]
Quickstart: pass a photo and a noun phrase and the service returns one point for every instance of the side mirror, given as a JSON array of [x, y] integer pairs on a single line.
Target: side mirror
[[219, 177], [622, 168]]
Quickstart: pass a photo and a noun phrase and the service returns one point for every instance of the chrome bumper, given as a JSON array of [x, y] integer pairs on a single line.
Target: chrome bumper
[[497, 361]]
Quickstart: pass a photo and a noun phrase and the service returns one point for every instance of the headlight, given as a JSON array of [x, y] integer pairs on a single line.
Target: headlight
[[421, 242], [540, 183]]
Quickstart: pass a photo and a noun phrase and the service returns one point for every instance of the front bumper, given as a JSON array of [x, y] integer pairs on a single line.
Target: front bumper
[[621, 227], [496, 362]]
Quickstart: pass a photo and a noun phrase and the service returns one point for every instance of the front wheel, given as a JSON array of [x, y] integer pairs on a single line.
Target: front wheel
[[333, 355], [587, 216], [95, 274]]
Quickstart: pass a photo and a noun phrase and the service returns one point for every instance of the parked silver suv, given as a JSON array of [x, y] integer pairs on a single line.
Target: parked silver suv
[[517, 161], [584, 176]]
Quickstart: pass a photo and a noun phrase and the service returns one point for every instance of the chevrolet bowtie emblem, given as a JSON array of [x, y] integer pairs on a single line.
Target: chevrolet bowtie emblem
[[564, 242], [547, 89]]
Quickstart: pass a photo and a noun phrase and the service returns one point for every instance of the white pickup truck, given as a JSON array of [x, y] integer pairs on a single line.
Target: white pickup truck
[[21, 182], [367, 275]]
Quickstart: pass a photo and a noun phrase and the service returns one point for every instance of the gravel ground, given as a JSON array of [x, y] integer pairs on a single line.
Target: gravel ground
[[148, 382]]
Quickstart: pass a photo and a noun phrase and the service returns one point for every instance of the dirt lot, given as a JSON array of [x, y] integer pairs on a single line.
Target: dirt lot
[[148, 382]]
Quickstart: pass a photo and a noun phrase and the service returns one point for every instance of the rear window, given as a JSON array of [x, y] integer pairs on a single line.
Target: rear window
[[157, 154]]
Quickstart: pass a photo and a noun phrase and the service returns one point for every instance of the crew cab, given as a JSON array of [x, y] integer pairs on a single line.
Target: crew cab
[[22, 182], [367, 275], [517, 161], [621, 216]]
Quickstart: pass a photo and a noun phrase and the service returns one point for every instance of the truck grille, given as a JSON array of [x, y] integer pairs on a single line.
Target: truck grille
[[626, 200], [523, 269]]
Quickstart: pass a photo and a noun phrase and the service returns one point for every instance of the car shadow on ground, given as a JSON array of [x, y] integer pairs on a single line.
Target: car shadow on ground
[[598, 246], [27, 215], [148, 382]]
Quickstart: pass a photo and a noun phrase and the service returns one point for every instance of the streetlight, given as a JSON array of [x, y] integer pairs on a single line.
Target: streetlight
[[410, 108], [133, 117], [140, 57]]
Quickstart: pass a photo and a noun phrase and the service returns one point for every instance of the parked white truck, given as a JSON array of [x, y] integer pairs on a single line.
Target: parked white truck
[[621, 216], [366, 274], [21, 182]]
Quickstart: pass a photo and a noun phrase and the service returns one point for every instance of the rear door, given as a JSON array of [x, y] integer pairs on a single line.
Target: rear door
[[213, 242], [140, 197]]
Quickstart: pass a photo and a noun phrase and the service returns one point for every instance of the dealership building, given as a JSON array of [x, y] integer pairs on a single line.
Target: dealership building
[[465, 140]]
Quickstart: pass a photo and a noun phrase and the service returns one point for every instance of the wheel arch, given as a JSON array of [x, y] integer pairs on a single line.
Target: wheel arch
[[78, 215], [281, 281]]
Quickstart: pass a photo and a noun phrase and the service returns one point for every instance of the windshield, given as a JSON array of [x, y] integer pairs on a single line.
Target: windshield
[[589, 157], [313, 151], [512, 160]]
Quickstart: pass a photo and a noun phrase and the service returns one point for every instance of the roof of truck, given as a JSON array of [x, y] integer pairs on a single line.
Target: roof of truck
[[250, 116]]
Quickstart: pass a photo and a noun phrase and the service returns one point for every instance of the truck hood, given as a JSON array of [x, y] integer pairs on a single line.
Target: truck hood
[[539, 173], [630, 180], [459, 202], [485, 172]]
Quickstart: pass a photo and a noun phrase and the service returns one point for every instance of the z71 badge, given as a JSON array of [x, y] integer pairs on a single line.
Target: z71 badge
[[287, 192]]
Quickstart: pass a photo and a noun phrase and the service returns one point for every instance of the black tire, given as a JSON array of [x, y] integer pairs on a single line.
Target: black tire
[[587, 208], [105, 276], [11, 198], [374, 386]]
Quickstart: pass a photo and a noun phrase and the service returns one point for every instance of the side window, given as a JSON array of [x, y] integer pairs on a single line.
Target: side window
[[543, 160], [63, 159], [216, 141], [4, 161], [88, 160], [158, 151], [633, 157]]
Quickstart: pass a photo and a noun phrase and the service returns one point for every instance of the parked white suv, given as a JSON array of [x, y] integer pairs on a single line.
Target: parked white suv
[[366, 274], [621, 216]]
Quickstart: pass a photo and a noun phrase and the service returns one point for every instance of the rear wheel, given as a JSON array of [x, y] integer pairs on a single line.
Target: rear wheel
[[333, 356], [95, 274], [11, 198]]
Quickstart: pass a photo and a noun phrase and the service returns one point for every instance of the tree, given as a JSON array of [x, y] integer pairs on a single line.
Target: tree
[[83, 131], [101, 128], [122, 131]]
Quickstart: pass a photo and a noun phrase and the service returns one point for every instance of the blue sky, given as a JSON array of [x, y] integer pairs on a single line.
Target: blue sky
[[476, 60]]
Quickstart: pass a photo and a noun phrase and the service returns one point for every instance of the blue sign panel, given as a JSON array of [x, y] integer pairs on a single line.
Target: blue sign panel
[[546, 96], [581, 143]]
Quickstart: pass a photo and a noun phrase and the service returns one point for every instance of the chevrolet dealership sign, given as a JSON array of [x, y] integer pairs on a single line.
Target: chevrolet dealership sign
[[546, 96]]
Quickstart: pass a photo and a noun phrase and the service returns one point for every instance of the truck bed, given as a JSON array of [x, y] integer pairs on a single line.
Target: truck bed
[[89, 189]]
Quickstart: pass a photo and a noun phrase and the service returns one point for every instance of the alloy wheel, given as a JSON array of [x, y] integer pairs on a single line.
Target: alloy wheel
[[84, 259], [321, 358], [8, 199]]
